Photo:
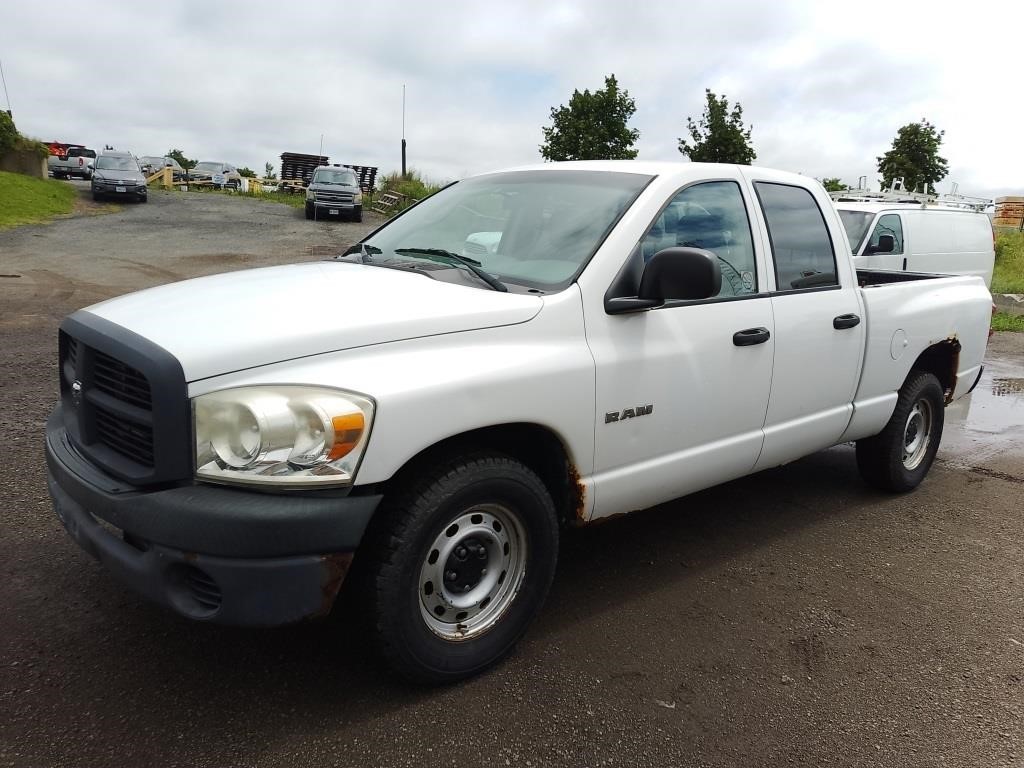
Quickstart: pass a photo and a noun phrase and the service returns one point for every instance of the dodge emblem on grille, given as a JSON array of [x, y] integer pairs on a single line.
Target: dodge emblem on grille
[[76, 393]]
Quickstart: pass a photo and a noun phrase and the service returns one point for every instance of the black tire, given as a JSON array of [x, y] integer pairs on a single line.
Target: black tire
[[96, 196], [310, 213], [144, 199], [894, 460], [405, 536]]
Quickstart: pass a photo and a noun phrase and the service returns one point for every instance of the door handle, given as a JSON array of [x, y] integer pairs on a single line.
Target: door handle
[[750, 337], [845, 321]]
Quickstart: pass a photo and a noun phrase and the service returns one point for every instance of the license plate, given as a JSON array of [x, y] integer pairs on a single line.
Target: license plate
[[120, 189], [332, 211]]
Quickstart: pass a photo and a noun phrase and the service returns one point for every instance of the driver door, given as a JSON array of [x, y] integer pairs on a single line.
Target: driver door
[[682, 394]]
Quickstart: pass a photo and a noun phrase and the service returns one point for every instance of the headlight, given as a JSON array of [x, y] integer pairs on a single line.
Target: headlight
[[281, 436], [358, 197], [310, 194]]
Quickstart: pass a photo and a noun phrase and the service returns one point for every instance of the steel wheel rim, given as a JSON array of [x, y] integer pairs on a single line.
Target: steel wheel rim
[[447, 608], [917, 434]]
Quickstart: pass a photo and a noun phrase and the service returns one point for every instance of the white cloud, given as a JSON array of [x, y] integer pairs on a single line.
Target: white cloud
[[824, 85]]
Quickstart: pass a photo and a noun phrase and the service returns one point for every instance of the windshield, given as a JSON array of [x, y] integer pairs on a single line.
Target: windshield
[[346, 178], [75, 152], [109, 163], [535, 228], [856, 224], [210, 167]]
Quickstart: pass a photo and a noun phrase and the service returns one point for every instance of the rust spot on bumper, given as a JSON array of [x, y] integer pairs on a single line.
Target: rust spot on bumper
[[577, 494], [334, 570]]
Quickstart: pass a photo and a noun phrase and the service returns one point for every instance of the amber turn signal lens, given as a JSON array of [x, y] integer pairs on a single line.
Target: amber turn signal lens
[[347, 431]]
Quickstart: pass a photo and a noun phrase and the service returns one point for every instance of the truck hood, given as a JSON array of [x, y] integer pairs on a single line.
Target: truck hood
[[230, 322]]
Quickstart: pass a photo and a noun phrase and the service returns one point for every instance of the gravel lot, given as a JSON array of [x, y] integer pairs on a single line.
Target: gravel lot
[[790, 618]]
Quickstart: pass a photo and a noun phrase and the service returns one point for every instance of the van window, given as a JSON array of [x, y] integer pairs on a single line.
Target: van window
[[709, 216], [889, 224], [801, 245]]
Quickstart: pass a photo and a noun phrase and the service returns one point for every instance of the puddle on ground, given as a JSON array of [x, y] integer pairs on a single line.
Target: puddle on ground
[[990, 421]]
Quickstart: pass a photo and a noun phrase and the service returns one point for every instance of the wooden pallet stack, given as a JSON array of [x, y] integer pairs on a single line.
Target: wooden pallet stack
[[298, 167], [1009, 212]]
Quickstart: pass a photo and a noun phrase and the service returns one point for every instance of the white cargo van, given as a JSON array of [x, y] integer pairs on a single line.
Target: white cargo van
[[911, 237]]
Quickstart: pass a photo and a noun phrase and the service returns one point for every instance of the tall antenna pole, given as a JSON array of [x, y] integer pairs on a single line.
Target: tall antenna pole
[[403, 130], [321, 148], [7, 96]]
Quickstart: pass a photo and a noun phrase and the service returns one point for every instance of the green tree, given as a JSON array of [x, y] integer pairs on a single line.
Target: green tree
[[183, 161], [833, 184], [593, 127], [719, 137], [248, 173], [268, 171], [8, 133], [915, 157]]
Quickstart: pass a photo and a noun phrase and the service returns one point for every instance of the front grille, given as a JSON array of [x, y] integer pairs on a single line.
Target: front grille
[[124, 402], [121, 381], [334, 197], [131, 440]]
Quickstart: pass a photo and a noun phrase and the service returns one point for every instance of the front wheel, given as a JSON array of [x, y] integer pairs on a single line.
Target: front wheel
[[898, 458], [310, 213], [460, 563]]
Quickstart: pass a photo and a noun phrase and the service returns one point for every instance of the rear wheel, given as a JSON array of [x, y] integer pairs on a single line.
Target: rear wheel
[[459, 563], [898, 458]]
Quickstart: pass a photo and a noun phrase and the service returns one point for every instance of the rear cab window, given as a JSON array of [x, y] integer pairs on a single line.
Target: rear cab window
[[802, 248]]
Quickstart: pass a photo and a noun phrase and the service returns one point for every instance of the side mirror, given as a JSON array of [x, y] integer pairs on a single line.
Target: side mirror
[[886, 244], [685, 274], [672, 274]]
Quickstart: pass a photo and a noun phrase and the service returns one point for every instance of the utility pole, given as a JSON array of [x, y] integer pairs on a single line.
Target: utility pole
[[403, 130]]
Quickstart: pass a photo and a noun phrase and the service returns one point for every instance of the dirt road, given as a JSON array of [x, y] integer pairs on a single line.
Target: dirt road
[[791, 618]]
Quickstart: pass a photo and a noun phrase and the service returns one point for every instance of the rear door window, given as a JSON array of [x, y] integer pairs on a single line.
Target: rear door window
[[801, 245]]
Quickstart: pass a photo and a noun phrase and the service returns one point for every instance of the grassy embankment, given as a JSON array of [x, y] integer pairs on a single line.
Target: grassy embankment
[[27, 200], [1008, 277]]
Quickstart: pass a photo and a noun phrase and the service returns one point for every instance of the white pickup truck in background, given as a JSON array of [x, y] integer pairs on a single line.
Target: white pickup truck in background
[[78, 161], [524, 350]]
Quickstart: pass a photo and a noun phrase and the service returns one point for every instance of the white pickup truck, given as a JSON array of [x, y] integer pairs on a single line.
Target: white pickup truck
[[522, 351], [78, 161]]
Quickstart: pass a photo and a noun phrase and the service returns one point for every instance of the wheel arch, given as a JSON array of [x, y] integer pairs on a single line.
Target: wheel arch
[[536, 446], [941, 359]]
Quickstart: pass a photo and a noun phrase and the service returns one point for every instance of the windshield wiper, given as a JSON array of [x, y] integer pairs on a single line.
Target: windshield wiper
[[448, 256], [365, 252]]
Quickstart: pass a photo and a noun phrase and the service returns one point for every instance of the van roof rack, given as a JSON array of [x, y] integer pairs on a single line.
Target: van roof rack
[[897, 194]]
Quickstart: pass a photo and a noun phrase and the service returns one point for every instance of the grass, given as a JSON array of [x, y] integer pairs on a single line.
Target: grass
[[1008, 276], [1004, 321], [28, 200]]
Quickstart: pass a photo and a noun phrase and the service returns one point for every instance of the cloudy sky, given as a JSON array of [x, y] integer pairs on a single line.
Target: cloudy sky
[[824, 85]]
